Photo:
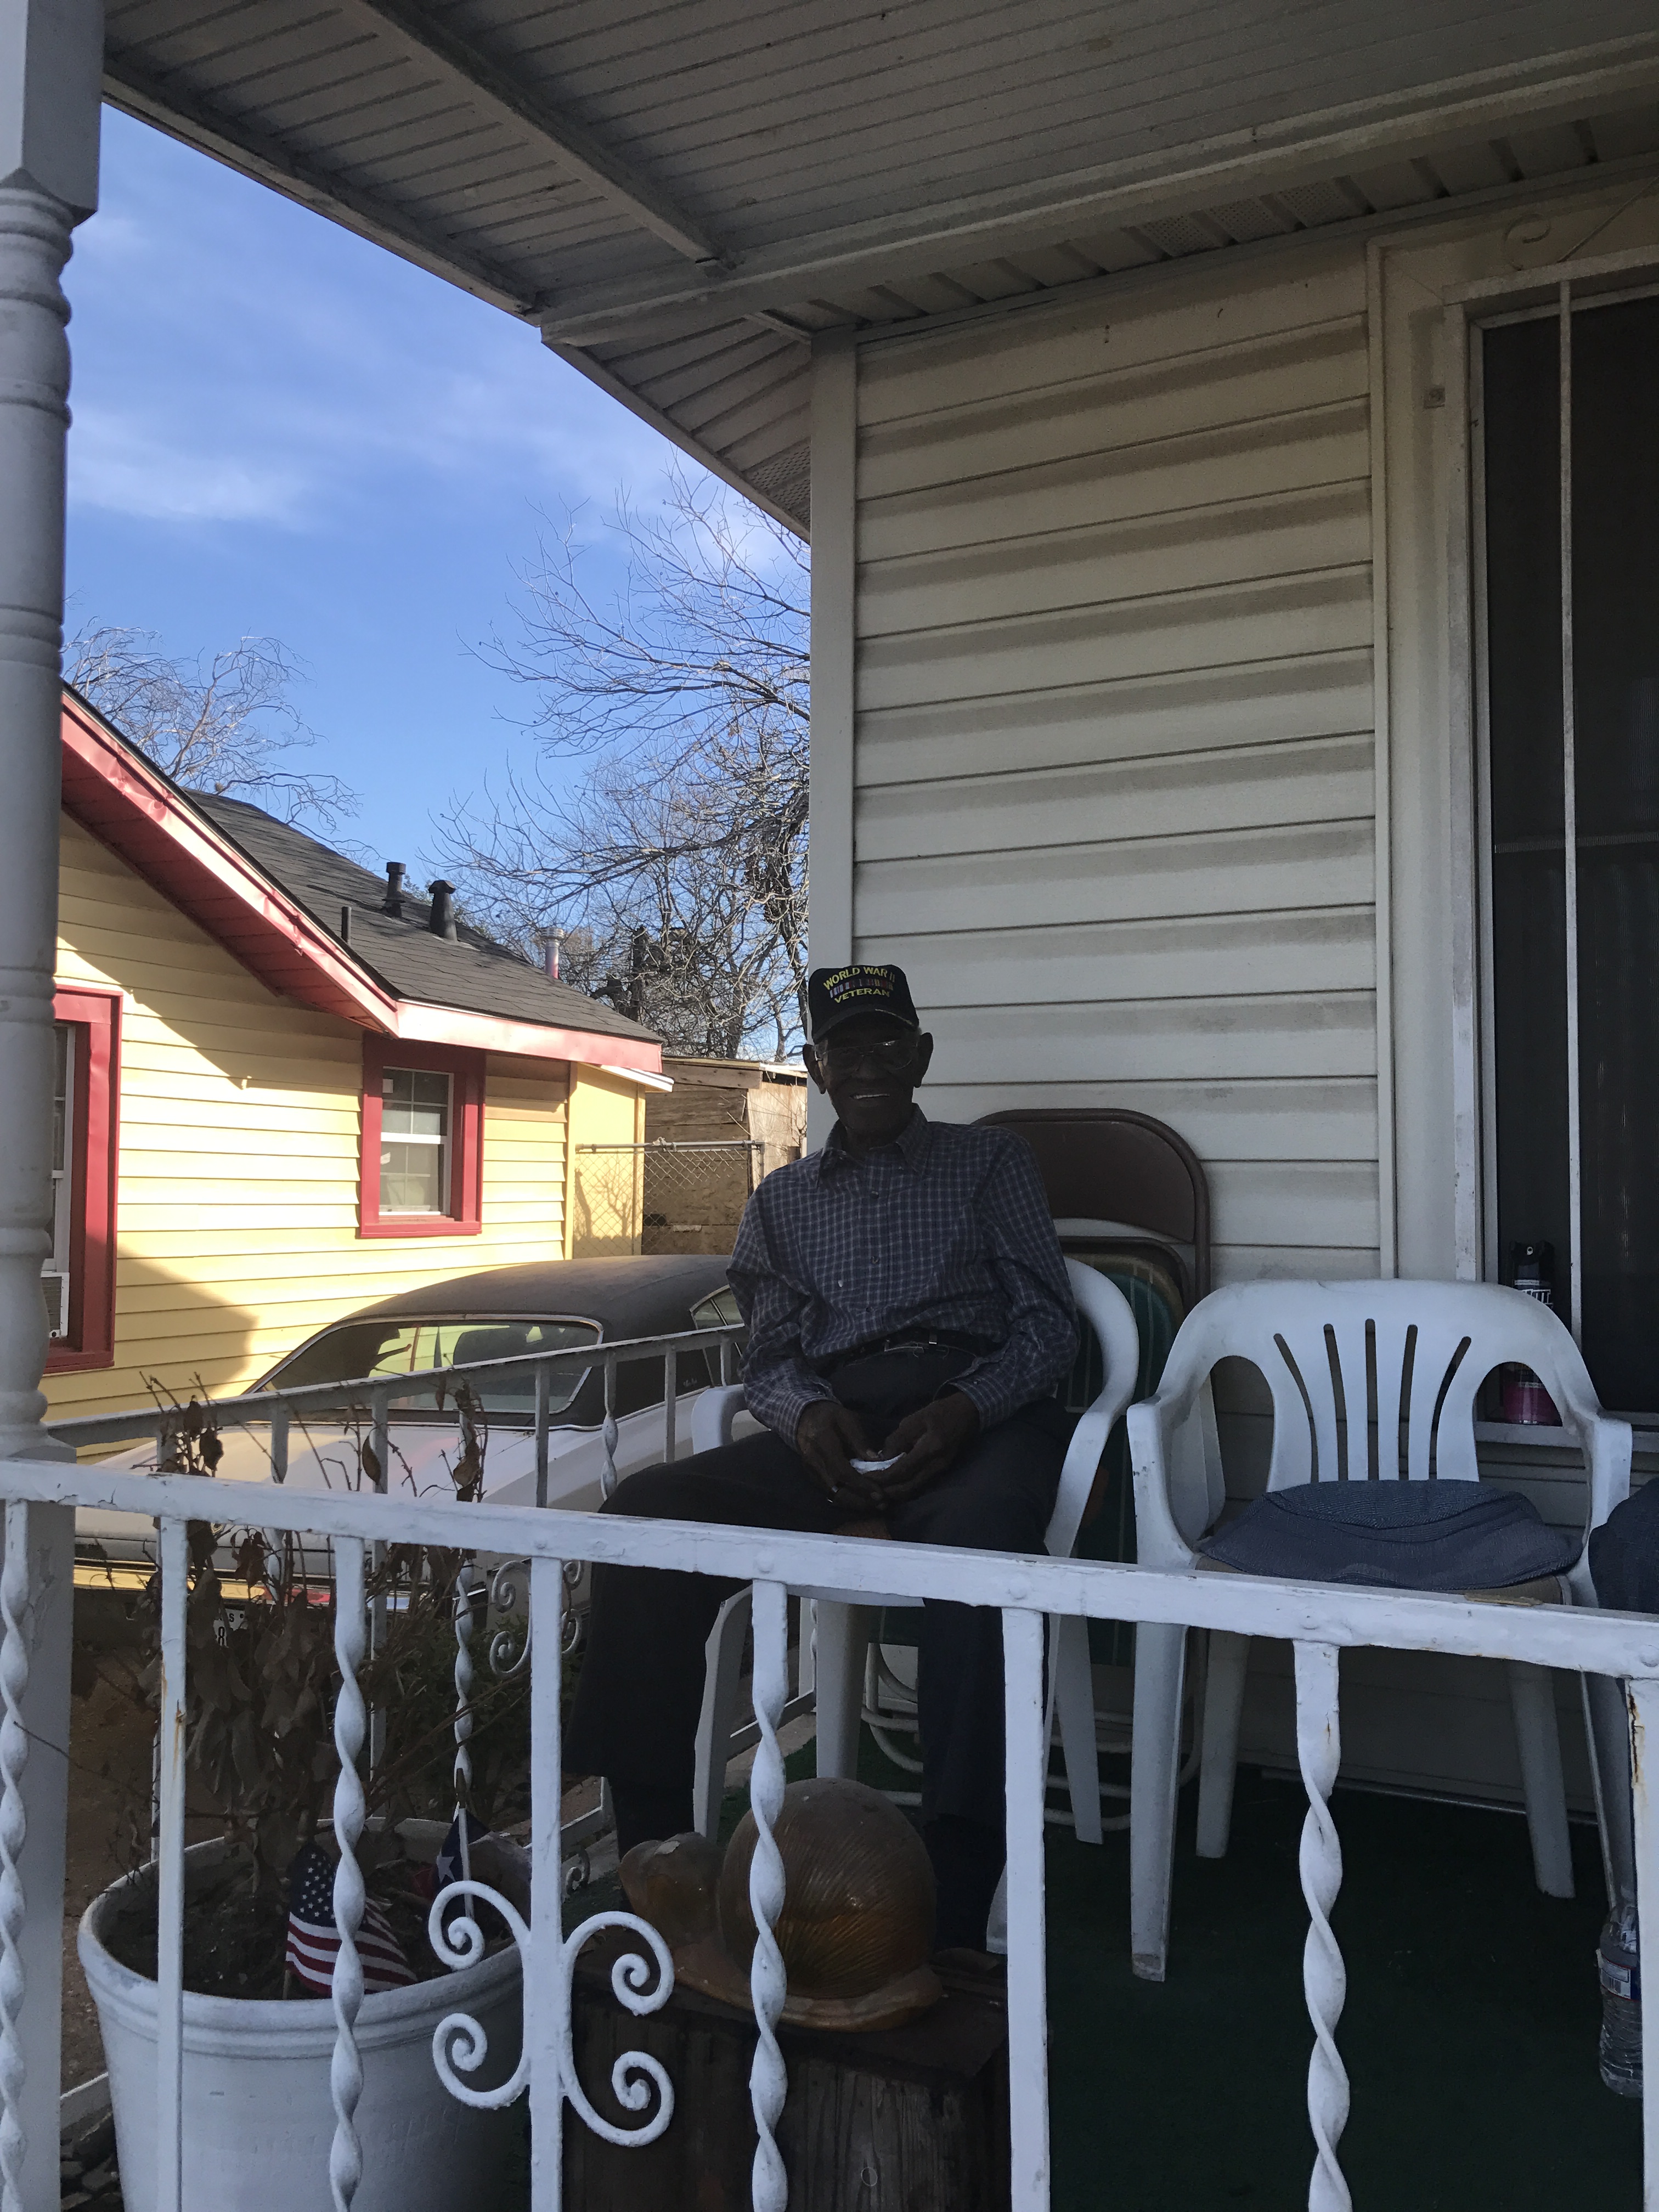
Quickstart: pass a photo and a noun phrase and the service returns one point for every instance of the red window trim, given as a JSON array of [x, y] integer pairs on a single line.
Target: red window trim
[[95, 1145], [466, 1067]]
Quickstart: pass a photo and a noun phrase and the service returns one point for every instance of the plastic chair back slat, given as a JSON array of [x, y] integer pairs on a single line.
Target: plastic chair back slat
[[1428, 1347]]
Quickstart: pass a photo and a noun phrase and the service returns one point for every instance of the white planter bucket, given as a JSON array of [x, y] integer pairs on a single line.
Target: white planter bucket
[[258, 2119]]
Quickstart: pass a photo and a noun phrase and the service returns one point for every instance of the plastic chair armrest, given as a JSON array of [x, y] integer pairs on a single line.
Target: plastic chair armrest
[[1609, 1445], [714, 1415], [1077, 1474], [1152, 1427], [1107, 1311]]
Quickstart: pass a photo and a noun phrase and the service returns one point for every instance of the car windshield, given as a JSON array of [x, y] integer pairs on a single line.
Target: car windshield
[[364, 1348]]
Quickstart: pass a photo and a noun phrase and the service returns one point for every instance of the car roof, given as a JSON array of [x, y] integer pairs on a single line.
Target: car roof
[[634, 1295]]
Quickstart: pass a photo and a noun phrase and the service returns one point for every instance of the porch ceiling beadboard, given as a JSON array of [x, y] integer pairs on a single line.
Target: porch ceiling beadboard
[[681, 194], [1115, 780]]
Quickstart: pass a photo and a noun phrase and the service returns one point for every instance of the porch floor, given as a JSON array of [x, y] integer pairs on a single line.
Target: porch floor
[[1469, 2032]]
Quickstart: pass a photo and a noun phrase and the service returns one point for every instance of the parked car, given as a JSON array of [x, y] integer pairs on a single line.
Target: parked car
[[497, 1314]]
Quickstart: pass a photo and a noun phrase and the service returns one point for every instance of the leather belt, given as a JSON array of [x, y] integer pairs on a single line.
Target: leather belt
[[938, 1339]]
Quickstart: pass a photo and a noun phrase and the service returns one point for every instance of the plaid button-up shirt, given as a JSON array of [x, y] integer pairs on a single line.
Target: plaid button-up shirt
[[948, 1229]]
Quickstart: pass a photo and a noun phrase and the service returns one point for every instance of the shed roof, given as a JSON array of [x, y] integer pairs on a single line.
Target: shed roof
[[680, 194]]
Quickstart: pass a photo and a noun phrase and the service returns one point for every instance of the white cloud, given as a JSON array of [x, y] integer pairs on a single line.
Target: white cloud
[[123, 465]]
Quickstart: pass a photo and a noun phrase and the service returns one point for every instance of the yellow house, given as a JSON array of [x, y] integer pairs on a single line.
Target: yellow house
[[287, 1087]]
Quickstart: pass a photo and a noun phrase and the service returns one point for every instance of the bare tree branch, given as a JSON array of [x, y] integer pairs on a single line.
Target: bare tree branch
[[223, 724], [676, 865]]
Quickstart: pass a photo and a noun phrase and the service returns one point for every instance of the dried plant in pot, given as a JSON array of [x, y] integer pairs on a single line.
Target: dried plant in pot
[[261, 1681]]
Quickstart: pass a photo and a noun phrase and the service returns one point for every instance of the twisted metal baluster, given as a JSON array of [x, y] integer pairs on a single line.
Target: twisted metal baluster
[[610, 1431], [464, 1714], [1324, 1978], [345, 2073], [768, 2081], [13, 1755]]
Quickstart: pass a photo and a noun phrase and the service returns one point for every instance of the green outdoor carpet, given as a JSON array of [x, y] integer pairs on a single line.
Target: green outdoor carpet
[[1469, 2034], [1469, 2031]]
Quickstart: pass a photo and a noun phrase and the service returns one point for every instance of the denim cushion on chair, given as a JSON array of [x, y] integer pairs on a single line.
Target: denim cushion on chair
[[1624, 1554], [1397, 1535]]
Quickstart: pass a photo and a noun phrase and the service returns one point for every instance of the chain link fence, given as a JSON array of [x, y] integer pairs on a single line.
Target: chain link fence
[[694, 1193]]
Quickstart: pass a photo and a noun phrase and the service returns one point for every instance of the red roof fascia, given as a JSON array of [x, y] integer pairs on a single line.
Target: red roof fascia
[[121, 800]]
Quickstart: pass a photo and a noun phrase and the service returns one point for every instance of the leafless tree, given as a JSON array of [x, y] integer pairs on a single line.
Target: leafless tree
[[675, 861], [223, 723]]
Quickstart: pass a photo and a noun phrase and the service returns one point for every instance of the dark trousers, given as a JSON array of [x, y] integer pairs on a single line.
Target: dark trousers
[[635, 1711]]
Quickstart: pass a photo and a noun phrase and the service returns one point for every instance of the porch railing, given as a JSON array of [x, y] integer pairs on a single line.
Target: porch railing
[[373, 1395], [1317, 1620]]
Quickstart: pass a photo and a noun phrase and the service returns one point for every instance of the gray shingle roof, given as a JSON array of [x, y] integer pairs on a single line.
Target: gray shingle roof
[[474, 974]]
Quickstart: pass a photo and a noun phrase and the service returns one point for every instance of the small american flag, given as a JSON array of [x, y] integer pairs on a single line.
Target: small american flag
[[449, 1855], [313, 1940]]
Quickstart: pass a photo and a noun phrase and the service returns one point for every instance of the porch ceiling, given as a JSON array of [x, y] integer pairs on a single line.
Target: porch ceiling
[[681, 194]]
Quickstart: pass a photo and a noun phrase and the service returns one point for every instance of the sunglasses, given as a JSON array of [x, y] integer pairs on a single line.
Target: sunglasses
[[886, 1057]]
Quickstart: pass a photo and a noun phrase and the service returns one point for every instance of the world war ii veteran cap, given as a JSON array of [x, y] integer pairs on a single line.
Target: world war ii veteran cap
[[835, 995]]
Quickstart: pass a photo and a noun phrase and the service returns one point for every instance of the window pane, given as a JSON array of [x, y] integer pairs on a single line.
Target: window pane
[[361, 1348], [60, 1040], [414, 1104], [1615, 614], [510, 1398], [1529, 880], [55, 1268], [412, 1178], [1616, 547]]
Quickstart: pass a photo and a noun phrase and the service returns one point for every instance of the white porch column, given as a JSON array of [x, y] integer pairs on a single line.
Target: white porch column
[[50, 65]]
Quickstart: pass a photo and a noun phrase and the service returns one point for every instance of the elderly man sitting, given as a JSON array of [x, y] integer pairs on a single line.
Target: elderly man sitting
[[906, 1300]]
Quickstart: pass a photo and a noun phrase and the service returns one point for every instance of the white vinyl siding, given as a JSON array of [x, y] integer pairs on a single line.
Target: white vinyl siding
[[1114, 772]]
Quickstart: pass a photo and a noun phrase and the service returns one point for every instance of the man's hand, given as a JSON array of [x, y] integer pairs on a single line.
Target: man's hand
[[828, 1438], [931, 1440]]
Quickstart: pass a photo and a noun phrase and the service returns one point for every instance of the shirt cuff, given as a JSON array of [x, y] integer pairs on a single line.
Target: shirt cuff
[[779, 1402], [987, 1393]]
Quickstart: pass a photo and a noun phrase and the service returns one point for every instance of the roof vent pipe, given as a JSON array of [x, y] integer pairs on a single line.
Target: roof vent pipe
[[441, 920], [392, 903]]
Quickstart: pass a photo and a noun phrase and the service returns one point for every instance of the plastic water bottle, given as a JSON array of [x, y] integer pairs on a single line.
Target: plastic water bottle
[[1620, 1960]]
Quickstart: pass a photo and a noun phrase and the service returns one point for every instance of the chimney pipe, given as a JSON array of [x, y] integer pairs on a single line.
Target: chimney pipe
[[345, 925], [552, 945], [392, 903], [441, 920]]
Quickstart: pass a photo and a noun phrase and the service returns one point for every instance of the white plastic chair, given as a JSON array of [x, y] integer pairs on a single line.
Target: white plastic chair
[[847, 1620], [1429, 1348]]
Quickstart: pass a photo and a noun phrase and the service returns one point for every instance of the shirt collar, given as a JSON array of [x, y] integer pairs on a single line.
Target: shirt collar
[[912, 1146]]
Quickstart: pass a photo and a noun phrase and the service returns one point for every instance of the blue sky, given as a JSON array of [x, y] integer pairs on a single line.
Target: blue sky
[[282, 430]]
